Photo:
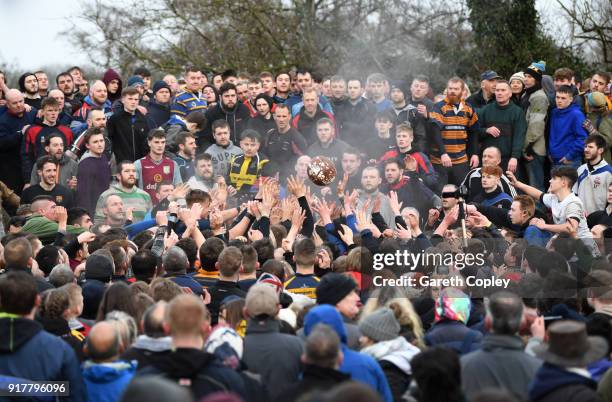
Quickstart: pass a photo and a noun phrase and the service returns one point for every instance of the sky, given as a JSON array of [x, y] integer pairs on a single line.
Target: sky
[[41, 42]]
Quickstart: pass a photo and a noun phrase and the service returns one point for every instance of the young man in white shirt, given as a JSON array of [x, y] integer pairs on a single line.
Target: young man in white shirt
[[594, 176], [567, 209]]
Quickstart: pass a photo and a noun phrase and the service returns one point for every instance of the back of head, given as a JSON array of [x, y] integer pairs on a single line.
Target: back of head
[[144, 265], [164, 289], [304, 252], [47, 258], [185, 315], [506, 311], [352, 391], [262, 301], [103, 342], [17, 253], [209, 253], [153, 320], [230, 261], [322, 347], [55, 303], [18, 293], [275, 268], [61, 275], [249, 259], [437, 372], [175, 261]]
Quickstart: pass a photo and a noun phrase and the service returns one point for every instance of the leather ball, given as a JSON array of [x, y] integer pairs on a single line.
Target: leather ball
[[321, 171]]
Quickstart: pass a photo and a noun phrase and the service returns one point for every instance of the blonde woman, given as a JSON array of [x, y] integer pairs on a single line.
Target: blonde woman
[[397, 300]]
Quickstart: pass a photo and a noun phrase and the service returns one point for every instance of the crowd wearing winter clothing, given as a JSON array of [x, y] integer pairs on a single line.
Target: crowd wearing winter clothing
[[164, 239]]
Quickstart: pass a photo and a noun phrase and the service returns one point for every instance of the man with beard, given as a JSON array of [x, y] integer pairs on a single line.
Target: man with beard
[[47, 170], [94, 171], [155, 168], [424, 170], [65, 84], [450, 199], [67, 169], [410, 190], [306, 120], [535, 105], [189, 100], [114, 211], [204, 178], [229, 109], [159, 106], [34, 139], [28, 85], [223, 150], [65, 114], [458, 124], [128, 128], [327, 145], [97, 99], [419, 117], [43, 83], [284, 141], [370, 184], [95, 120], [594, 176], [283, 86], [134, 198], [186, 152], [503, 125], [13, 123]]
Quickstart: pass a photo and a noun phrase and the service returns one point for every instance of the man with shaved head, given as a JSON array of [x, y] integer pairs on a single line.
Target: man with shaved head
[[97, 99], [491, 156], [13, 124], [105, 375]]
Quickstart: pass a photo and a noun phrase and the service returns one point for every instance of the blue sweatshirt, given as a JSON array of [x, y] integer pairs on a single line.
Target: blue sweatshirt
[[566, 134]]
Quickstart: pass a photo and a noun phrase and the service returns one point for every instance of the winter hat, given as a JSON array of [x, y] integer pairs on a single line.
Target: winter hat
[[596, 100], [261, 300], [520, 76], [266, 98], [98, 267], [334, 287], [452, 304], [536, 69], [22, 81], [135, 80], [381, 325], [161, 84], [226, 345], [272, 280], [401, 85]]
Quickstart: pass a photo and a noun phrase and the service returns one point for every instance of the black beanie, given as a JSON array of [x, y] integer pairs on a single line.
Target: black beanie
[[22, 79], [334, 287], [99, 267], [266, 98]]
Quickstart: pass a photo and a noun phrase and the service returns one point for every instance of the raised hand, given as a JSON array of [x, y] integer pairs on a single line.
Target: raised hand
[[346, 234], [394, 203], [296, 186]]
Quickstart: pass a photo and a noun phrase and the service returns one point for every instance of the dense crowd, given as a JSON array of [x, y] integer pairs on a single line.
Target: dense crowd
[[163, 240]]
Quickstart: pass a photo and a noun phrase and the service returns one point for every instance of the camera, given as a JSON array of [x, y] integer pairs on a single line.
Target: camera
[[461, 192]]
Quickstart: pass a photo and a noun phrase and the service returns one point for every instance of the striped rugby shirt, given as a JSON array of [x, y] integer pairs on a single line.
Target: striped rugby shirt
[[459, 128], [186, 102]]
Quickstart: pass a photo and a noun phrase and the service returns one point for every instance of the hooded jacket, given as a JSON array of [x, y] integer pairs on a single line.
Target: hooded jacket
[[566, 134], [110, 75], [361, 367], [80, 116], [106, 382], [199, 369], [237, 118], [146, 348], [555, 384], [28, 352]]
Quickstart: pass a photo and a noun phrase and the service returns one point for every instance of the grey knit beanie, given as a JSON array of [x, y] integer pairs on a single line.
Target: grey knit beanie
[[381, 325]]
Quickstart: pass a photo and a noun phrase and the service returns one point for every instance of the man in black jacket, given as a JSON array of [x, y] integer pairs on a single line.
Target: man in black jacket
[[188, 323], [128, 128], [322, 358], [230, 110]]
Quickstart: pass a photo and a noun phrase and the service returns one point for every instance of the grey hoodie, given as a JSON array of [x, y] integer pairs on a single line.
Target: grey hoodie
[[221, 157]]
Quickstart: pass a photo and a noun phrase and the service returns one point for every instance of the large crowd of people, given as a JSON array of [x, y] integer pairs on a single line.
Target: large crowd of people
[[162, 240]]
